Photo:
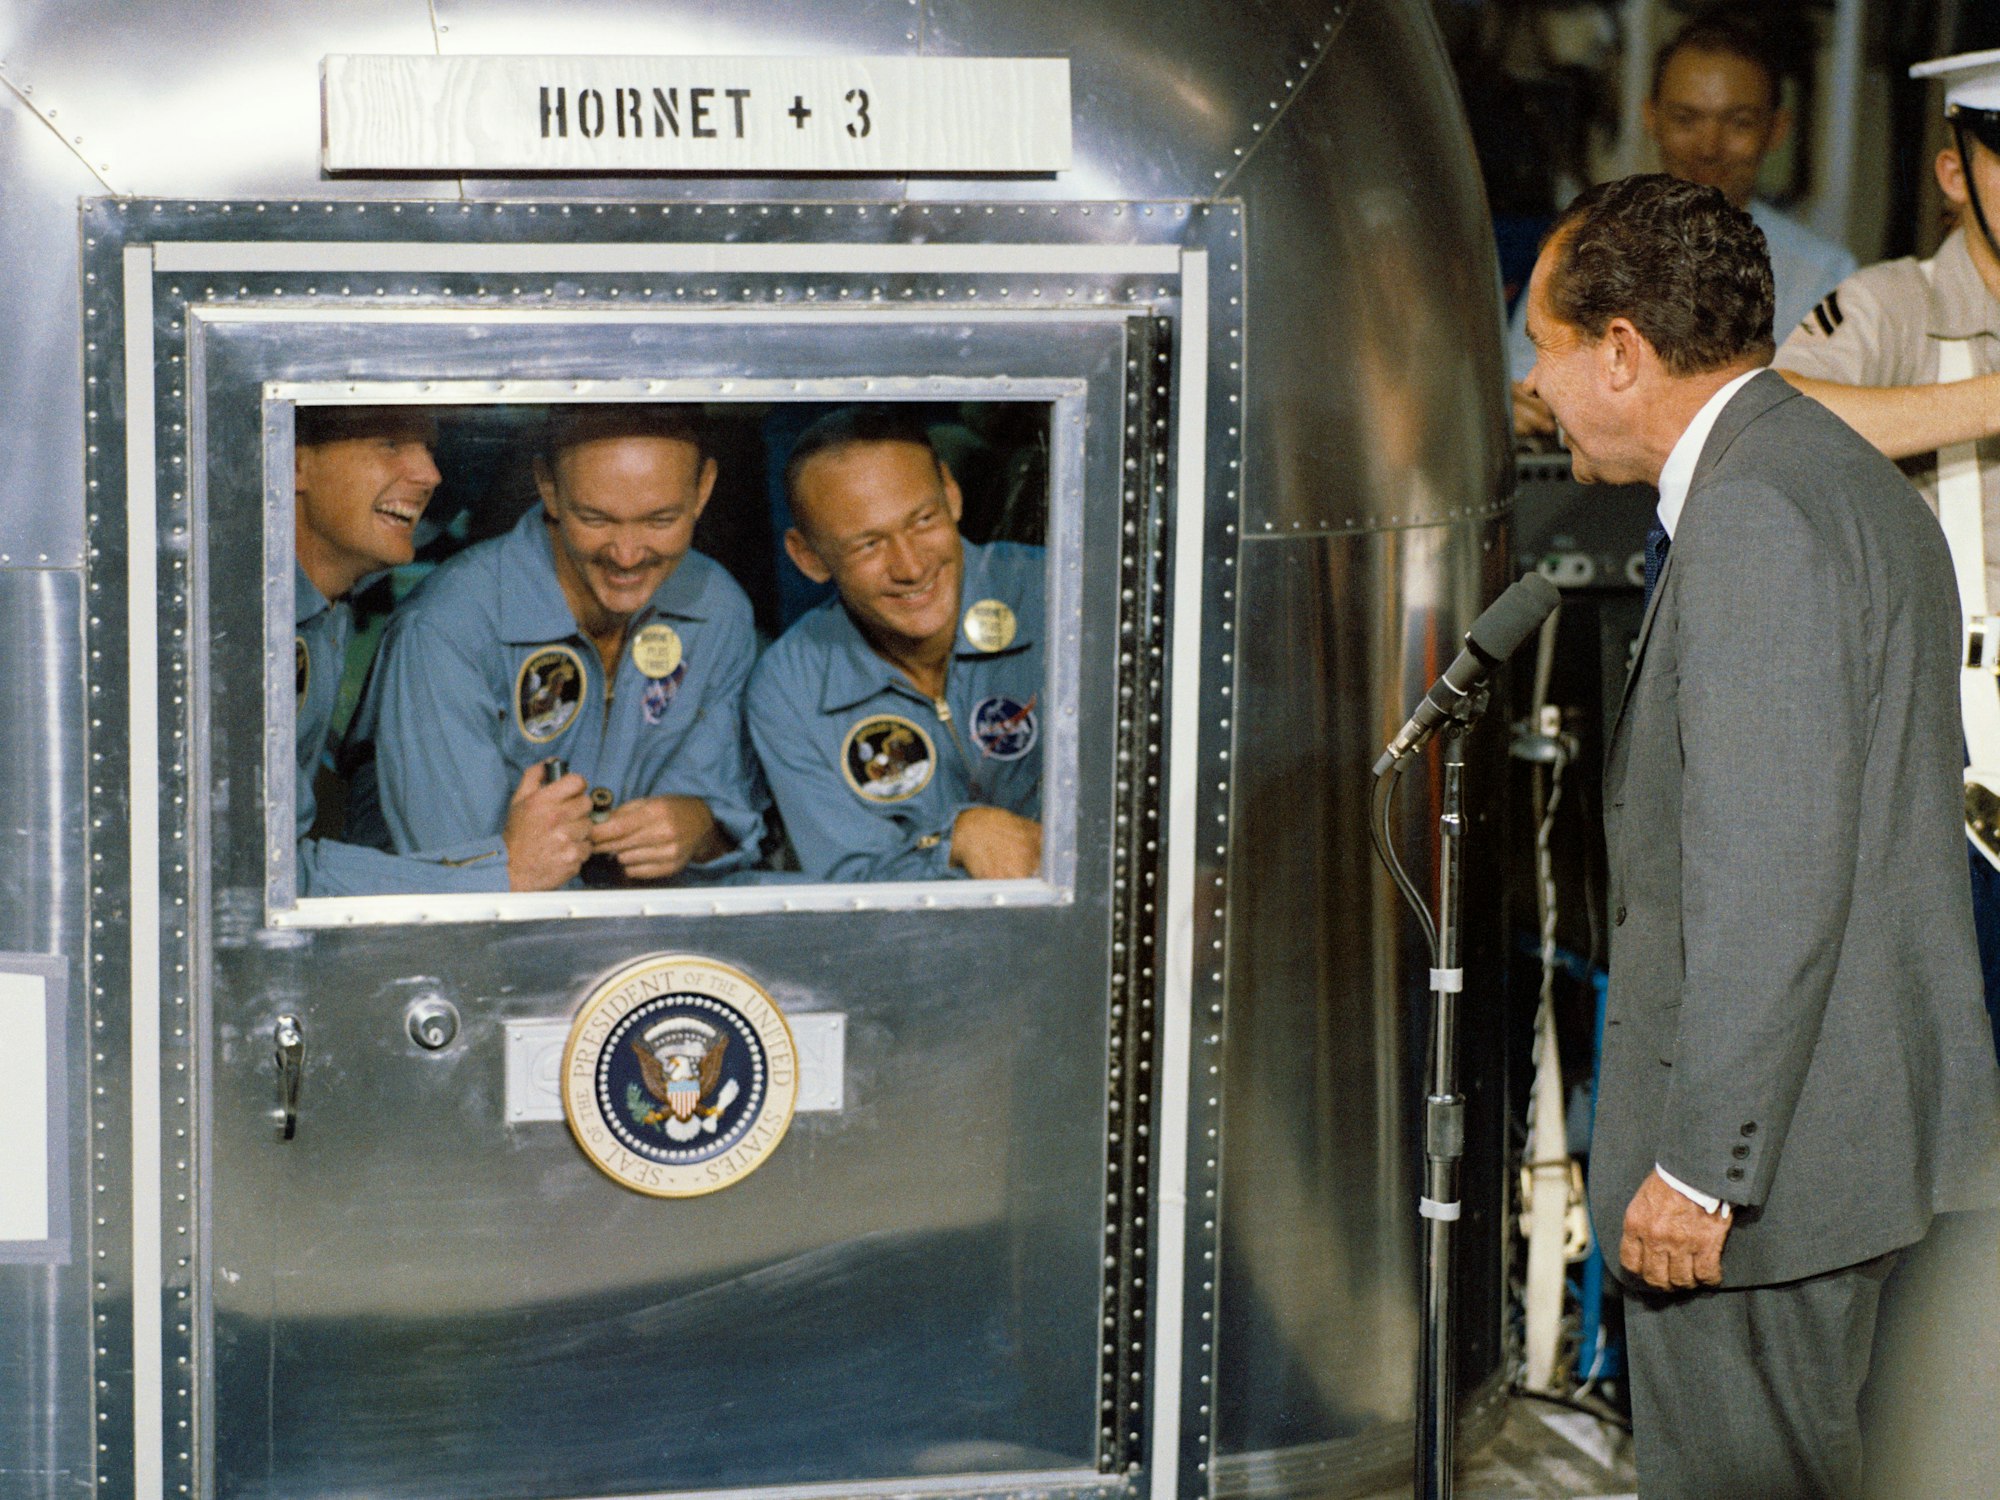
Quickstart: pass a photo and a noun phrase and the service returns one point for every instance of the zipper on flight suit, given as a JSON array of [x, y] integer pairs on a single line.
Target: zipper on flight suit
[[943, 710]]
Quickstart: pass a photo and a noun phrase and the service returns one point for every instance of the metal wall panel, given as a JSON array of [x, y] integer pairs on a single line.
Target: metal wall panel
[[1320, 1313], [1377, 392], [1170, 99], [41, 379], [206, 98], [667, 28], [1375, 477], [1372, 403], [46, 1448]]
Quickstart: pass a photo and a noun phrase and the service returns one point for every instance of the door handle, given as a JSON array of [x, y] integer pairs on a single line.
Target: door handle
[[290, 1038]]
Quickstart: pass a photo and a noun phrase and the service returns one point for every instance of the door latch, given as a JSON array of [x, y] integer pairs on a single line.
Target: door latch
[[290, 1037]]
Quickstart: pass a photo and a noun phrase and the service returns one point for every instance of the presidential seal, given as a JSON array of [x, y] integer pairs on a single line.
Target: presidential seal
[[548, 691], [679, 1077], [887, 758]]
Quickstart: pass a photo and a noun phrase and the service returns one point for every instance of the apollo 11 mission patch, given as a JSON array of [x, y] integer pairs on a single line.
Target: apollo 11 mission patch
[[548, 692]]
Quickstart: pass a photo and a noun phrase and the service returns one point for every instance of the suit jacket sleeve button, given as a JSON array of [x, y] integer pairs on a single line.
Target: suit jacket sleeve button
[[1618, 917], [1739, 1152], [1750, 1129], [1735, 1174]]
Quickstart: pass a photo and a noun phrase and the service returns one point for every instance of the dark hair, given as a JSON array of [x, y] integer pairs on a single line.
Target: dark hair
[[878, 422], [313, 425], [569, 426], [1689, 270], [1717, 32]]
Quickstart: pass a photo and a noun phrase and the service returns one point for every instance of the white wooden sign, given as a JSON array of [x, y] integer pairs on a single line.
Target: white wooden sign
[[695, 114]]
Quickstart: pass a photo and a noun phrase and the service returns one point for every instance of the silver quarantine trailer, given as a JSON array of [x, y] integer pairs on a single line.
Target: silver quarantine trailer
[[1096, 1183]]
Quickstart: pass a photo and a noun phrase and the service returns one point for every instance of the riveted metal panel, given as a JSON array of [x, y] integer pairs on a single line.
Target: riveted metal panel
[[1171, 100], [1320, 1316], [248, 1282], [207, 98], [1379, 388], [41, 425], [1346, 391], [46, 1355]]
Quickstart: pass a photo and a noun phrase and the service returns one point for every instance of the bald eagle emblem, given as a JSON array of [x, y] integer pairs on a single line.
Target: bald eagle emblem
[[680, 1075], [680, 1061]]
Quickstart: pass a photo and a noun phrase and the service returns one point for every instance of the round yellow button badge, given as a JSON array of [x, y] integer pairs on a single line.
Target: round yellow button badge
[[989, 625], [656, 650]]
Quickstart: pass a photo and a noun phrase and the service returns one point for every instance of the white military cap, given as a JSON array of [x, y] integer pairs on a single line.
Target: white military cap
[[1971, 91]]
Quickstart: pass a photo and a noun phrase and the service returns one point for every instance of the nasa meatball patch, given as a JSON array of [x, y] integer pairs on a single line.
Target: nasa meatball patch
[[1003, 727]]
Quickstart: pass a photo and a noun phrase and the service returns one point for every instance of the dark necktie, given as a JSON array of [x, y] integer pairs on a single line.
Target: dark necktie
[[1657, 543]]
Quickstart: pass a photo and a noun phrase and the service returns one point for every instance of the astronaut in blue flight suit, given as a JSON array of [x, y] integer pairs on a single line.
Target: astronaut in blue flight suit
[[899, 723], [592, 633], [362, 477]]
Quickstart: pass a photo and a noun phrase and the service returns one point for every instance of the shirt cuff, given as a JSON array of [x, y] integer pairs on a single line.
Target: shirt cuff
[[1696, 1196]]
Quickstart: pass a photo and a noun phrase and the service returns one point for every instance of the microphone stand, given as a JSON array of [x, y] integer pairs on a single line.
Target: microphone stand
[[1444, 1109]]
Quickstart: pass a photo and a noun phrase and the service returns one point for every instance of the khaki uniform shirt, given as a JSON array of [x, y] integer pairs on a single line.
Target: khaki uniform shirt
[[1882, 326]]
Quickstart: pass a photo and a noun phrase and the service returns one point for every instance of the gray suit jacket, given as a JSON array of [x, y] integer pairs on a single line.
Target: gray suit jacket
[[1795, 1019]]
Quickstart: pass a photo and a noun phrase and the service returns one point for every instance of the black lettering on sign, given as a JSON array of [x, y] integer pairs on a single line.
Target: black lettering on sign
[[556, 111], [736, 97], [626, 101], [860, 125], [697, 112], [590, 112], [667, 112]]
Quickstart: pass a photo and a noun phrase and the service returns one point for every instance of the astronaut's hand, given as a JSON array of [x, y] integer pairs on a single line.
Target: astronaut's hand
[[548, 830], [990, 843], [1532, 417], [658, 837]]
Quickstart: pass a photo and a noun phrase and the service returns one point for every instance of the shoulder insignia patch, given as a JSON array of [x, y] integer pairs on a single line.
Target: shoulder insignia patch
[[1827, 315]]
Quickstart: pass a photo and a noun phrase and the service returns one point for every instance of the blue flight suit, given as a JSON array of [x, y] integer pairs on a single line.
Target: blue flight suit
[[327, 868], [870, 774], [483, 672]]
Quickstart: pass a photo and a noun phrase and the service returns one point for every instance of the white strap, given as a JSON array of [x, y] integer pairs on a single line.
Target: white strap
[[1961, 505], [1962, 514]]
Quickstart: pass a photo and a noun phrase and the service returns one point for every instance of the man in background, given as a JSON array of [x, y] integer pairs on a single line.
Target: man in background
[[1906, 352], [1715, 113], [362, 477]]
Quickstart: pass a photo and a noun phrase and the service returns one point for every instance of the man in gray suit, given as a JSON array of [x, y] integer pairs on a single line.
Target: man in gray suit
[[1796, 1074]]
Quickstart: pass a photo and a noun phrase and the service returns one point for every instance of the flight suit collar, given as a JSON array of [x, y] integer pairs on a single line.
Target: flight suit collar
[[1961, 305], [533, 606], [855, 672], [308, 603]]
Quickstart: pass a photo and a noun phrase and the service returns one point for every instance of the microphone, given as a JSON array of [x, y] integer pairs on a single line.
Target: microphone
[[1495, 635]]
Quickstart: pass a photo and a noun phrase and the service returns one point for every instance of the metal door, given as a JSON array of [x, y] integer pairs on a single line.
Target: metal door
[[421, 1291]]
